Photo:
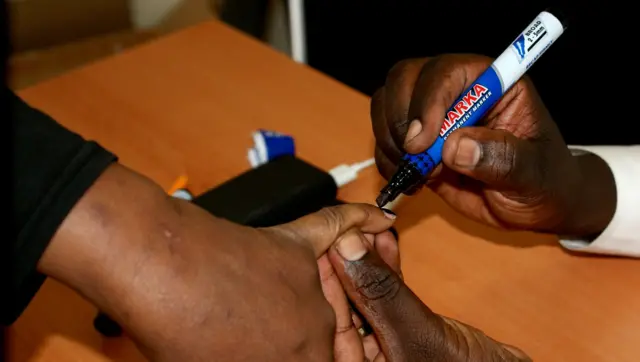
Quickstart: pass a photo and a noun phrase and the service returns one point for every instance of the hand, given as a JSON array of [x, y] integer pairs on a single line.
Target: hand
[[404, 328], [352, 343], [514, 172], [190, 287]]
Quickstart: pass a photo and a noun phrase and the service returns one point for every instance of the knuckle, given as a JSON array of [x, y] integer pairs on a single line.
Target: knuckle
[[510, 158], [445, 72], [505, 160], [447, 63], [377, 283], [362, 213], [354, 214], [398, 69], [333, 218]]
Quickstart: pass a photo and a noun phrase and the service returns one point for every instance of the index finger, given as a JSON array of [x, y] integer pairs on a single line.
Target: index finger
[[390, 106], [441, 82], [321, 229]]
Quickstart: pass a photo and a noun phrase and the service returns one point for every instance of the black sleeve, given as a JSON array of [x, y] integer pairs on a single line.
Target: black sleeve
[[52, 168]]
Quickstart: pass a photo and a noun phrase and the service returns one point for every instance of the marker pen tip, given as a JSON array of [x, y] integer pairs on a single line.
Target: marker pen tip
[[382, 199]]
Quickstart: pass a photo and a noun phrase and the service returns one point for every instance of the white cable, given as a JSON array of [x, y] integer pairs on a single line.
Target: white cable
[[297, 31], [364, 164], [343, 174]]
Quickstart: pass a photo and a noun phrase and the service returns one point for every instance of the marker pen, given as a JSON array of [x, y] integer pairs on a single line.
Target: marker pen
[[476, 100]]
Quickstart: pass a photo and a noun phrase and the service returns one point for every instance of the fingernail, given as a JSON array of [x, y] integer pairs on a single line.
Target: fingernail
[[468, 153], [414, 129], [388, 213], [351, 247]]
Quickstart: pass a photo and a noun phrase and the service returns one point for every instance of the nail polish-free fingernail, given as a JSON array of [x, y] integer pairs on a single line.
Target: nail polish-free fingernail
[[351, 247]]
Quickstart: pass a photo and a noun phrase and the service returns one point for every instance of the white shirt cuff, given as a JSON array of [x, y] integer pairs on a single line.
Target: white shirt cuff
[[622, 236]]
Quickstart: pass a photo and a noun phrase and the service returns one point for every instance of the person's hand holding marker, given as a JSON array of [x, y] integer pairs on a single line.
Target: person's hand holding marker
[[512, 171]]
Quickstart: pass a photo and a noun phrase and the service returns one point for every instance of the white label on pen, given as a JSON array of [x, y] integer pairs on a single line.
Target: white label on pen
[[529, 39]]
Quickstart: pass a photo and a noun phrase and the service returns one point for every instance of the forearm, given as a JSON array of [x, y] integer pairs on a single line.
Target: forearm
[[133, 252]]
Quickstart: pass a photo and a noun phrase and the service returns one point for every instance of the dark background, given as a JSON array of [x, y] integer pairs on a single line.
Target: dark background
[[584, 78], [4, 50]]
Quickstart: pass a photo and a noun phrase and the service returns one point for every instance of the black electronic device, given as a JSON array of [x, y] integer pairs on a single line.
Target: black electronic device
[[277, 192]]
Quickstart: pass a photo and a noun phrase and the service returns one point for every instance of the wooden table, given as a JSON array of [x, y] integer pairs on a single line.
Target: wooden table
[[187, 104]]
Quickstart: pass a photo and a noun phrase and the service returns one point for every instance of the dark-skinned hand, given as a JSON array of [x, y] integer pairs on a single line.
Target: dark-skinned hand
[[353, 341], [512, 171], [364, 269], [187, 286]]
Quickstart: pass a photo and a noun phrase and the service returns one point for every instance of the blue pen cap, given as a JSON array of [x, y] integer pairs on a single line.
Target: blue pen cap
[[269, 145]]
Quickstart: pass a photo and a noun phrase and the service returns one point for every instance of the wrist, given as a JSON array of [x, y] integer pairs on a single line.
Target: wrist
[[596, 200]]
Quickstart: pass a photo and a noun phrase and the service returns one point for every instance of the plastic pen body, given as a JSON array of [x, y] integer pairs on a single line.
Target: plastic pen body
[[477, 99]]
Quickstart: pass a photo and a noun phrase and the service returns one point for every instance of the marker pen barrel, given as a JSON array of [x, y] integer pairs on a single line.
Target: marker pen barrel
[[475, 101]]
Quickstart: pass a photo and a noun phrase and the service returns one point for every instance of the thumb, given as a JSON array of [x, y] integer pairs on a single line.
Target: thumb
[[321, 229], [400, 321], [496, 158], [406, 329]]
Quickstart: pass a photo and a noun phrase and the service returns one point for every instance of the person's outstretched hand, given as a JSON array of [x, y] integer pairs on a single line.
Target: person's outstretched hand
[[514, 171], [404, 328], [353, 339], [187, 286]]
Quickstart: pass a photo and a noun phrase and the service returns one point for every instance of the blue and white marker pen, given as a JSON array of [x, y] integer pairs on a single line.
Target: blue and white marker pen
[[474, 102]]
